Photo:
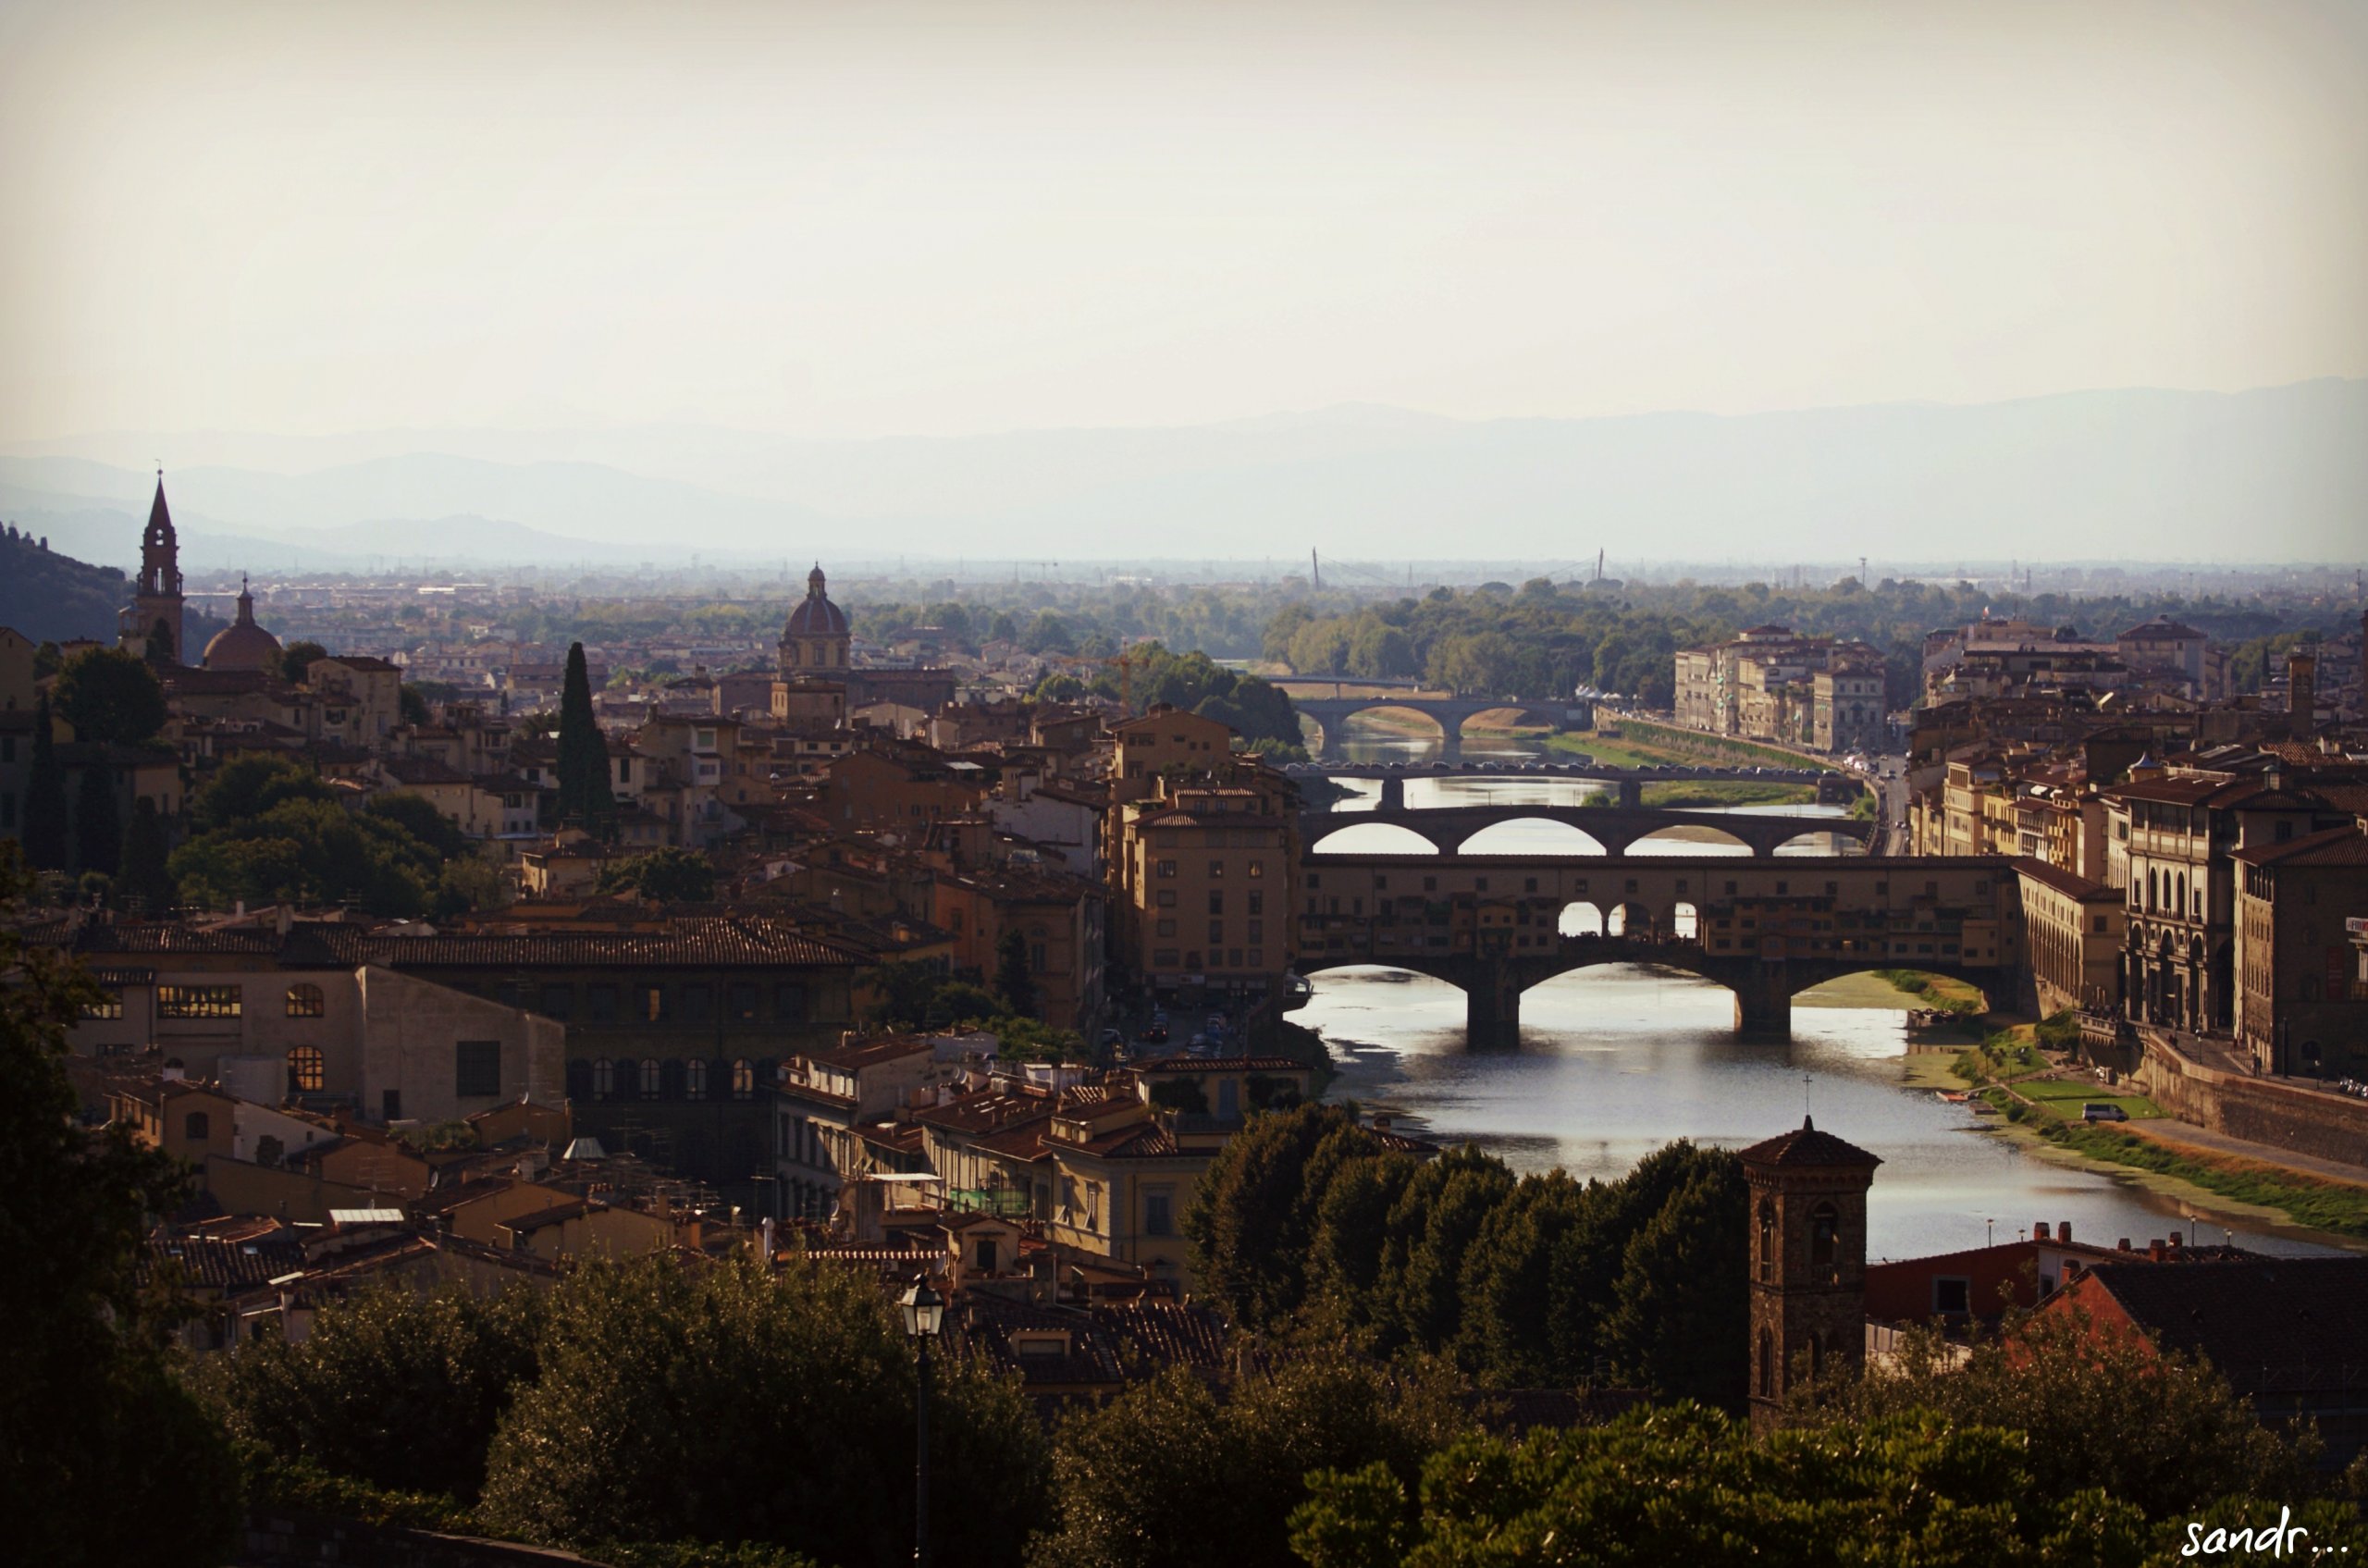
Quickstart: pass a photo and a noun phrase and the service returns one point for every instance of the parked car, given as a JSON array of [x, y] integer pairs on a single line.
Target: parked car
[[2099, 1110], [1153, 1035]]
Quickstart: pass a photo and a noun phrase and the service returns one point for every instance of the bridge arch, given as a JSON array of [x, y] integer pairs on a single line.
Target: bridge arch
[[1580, 918], [1729, 842], [1814, 828], [1576, 840], [1372, 838]]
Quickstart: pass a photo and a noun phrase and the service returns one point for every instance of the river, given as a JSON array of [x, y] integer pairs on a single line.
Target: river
[[1617, 1061]]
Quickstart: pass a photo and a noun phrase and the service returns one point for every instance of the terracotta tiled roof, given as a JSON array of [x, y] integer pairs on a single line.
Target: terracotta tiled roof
[[2070, 884], [1805, 1146], [2277, 1323], [2346, 846]]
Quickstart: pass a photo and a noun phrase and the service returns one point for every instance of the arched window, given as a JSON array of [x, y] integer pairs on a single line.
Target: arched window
[[744, 1079], [1766, 1365], [306, 1001], [197, 1127], [694, 1078], [579, 1080], [604, 1079], [653, 1076], [307, 1072], [1767, 1238], [1825, 1234]]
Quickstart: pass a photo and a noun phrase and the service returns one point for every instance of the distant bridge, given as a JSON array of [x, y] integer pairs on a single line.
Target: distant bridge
[[1617, 828], [1629, 782], [1765, 929], [1330, 715]]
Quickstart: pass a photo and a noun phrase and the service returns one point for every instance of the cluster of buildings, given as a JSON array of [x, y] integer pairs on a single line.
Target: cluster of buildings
[[1772, 683], [2195, 867], [569, 1068]]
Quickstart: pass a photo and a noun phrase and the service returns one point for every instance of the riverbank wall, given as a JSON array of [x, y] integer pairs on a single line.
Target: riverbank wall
[[2259, 1110]]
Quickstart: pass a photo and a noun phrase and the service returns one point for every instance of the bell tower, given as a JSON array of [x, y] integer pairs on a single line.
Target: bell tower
[[155, 609], [1809, 1261]]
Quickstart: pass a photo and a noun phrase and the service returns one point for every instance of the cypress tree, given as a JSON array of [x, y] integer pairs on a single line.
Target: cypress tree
[[1013, 977], [98, 821], [46, 832], [144, 873], [583, 753]]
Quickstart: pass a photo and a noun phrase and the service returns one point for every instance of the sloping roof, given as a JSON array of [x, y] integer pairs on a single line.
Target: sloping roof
[[2070, 884], [1805, 1146], [2346, 846], [2277, 1322]]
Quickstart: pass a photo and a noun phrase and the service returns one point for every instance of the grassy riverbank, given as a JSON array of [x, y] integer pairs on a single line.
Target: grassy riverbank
[[2047, 1112], [1630, 752], [1643, 741]]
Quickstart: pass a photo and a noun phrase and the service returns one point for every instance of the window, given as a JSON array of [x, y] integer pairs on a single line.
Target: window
[[111, 1007], [1952, 1296], [1158, 1213], [740, 1002], [694, 1078], [306, 1001], [789, 1003], [1257, 870], [1825, 1234], [1257, 957], [1217, 932], [1216, 870], [1168, 868], [1166, 899], [198, 1002], [477, 1067], [1164, 928], [1257, 901], [695, 1002], [600, 1004], [307, 1071], [653, 1078], [1257, 929], [197, 1127], [1163, 959], [390, 1105], [1217, 903], [648, 1003], [559, 1002], [604, 1079], [744, 1079]]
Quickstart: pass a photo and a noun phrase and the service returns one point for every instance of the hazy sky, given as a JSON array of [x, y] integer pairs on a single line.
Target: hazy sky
[[879, 218]]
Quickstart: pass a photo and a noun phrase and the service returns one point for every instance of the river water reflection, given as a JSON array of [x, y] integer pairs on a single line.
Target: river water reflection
[[1617, 1061]]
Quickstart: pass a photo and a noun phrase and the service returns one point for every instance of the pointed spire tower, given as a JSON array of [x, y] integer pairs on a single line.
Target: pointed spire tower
[[152, 624]]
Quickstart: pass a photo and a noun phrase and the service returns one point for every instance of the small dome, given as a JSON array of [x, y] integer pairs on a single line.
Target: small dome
[[816, 616], [243, 645]]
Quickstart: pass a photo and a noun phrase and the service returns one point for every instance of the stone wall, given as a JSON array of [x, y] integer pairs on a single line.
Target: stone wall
[[2302, 1121]]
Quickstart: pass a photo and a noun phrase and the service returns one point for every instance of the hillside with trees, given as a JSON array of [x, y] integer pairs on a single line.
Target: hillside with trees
[[53, 598]]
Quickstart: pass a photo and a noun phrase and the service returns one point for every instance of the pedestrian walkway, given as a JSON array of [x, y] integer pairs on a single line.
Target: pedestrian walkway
[[2196, 1140]]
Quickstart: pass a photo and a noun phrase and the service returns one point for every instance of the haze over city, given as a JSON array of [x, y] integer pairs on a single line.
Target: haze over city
[[1272, 276]]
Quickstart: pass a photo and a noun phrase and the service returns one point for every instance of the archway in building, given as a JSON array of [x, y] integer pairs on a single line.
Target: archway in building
[[1634, 921], [1581, 919], [1685, 922]]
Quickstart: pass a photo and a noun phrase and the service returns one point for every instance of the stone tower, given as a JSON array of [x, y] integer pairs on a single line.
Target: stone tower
[[816, 639], [1809, 1261], [156, 597]]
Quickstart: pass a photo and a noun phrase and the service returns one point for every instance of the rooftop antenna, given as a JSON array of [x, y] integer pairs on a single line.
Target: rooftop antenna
[[1314, 572], [1805, 1096]]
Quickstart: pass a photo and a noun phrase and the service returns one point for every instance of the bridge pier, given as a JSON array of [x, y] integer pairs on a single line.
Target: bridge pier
[[1632, 793], [1763, 1002], [1393, 794], [1492, 1011]]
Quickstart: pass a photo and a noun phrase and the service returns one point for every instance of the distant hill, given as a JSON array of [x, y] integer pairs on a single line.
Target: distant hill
[[53, 598], [2277, 473]]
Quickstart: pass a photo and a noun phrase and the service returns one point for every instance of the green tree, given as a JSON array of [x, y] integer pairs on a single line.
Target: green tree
[[1252, 1211], [1143, 1481], [583, 794], [1681, 1322], [417, 816], [309, 851], [662, 876], [391, 1388], [108, 693], [47, 831], [736, 1403], [1014, 978], [413, 703], [98, 819], [1688, 1485], [141, 872], [103, 1458], [296, 660]]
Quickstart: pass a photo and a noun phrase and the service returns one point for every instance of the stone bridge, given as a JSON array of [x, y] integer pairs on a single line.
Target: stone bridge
[[1330, 715], [1445, 828], [1493, 926], [1628, 782]]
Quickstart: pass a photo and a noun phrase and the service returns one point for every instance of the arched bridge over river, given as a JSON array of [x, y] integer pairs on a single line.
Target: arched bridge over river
[[1616, 828], [1628, 783], [1493, 926]]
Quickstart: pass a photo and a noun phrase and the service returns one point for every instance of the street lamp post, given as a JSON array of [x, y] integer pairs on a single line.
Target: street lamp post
[[924, 1313]]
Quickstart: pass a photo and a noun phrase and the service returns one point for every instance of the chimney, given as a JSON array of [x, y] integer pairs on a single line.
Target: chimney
[[2154, 1249], [2038, 1231], [2064, 1231], [2178, 1239], [2125, 1244], [2301, 690]]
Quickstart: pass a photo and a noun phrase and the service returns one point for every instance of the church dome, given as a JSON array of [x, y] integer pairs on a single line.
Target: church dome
[[243, 645], [816, 616]]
